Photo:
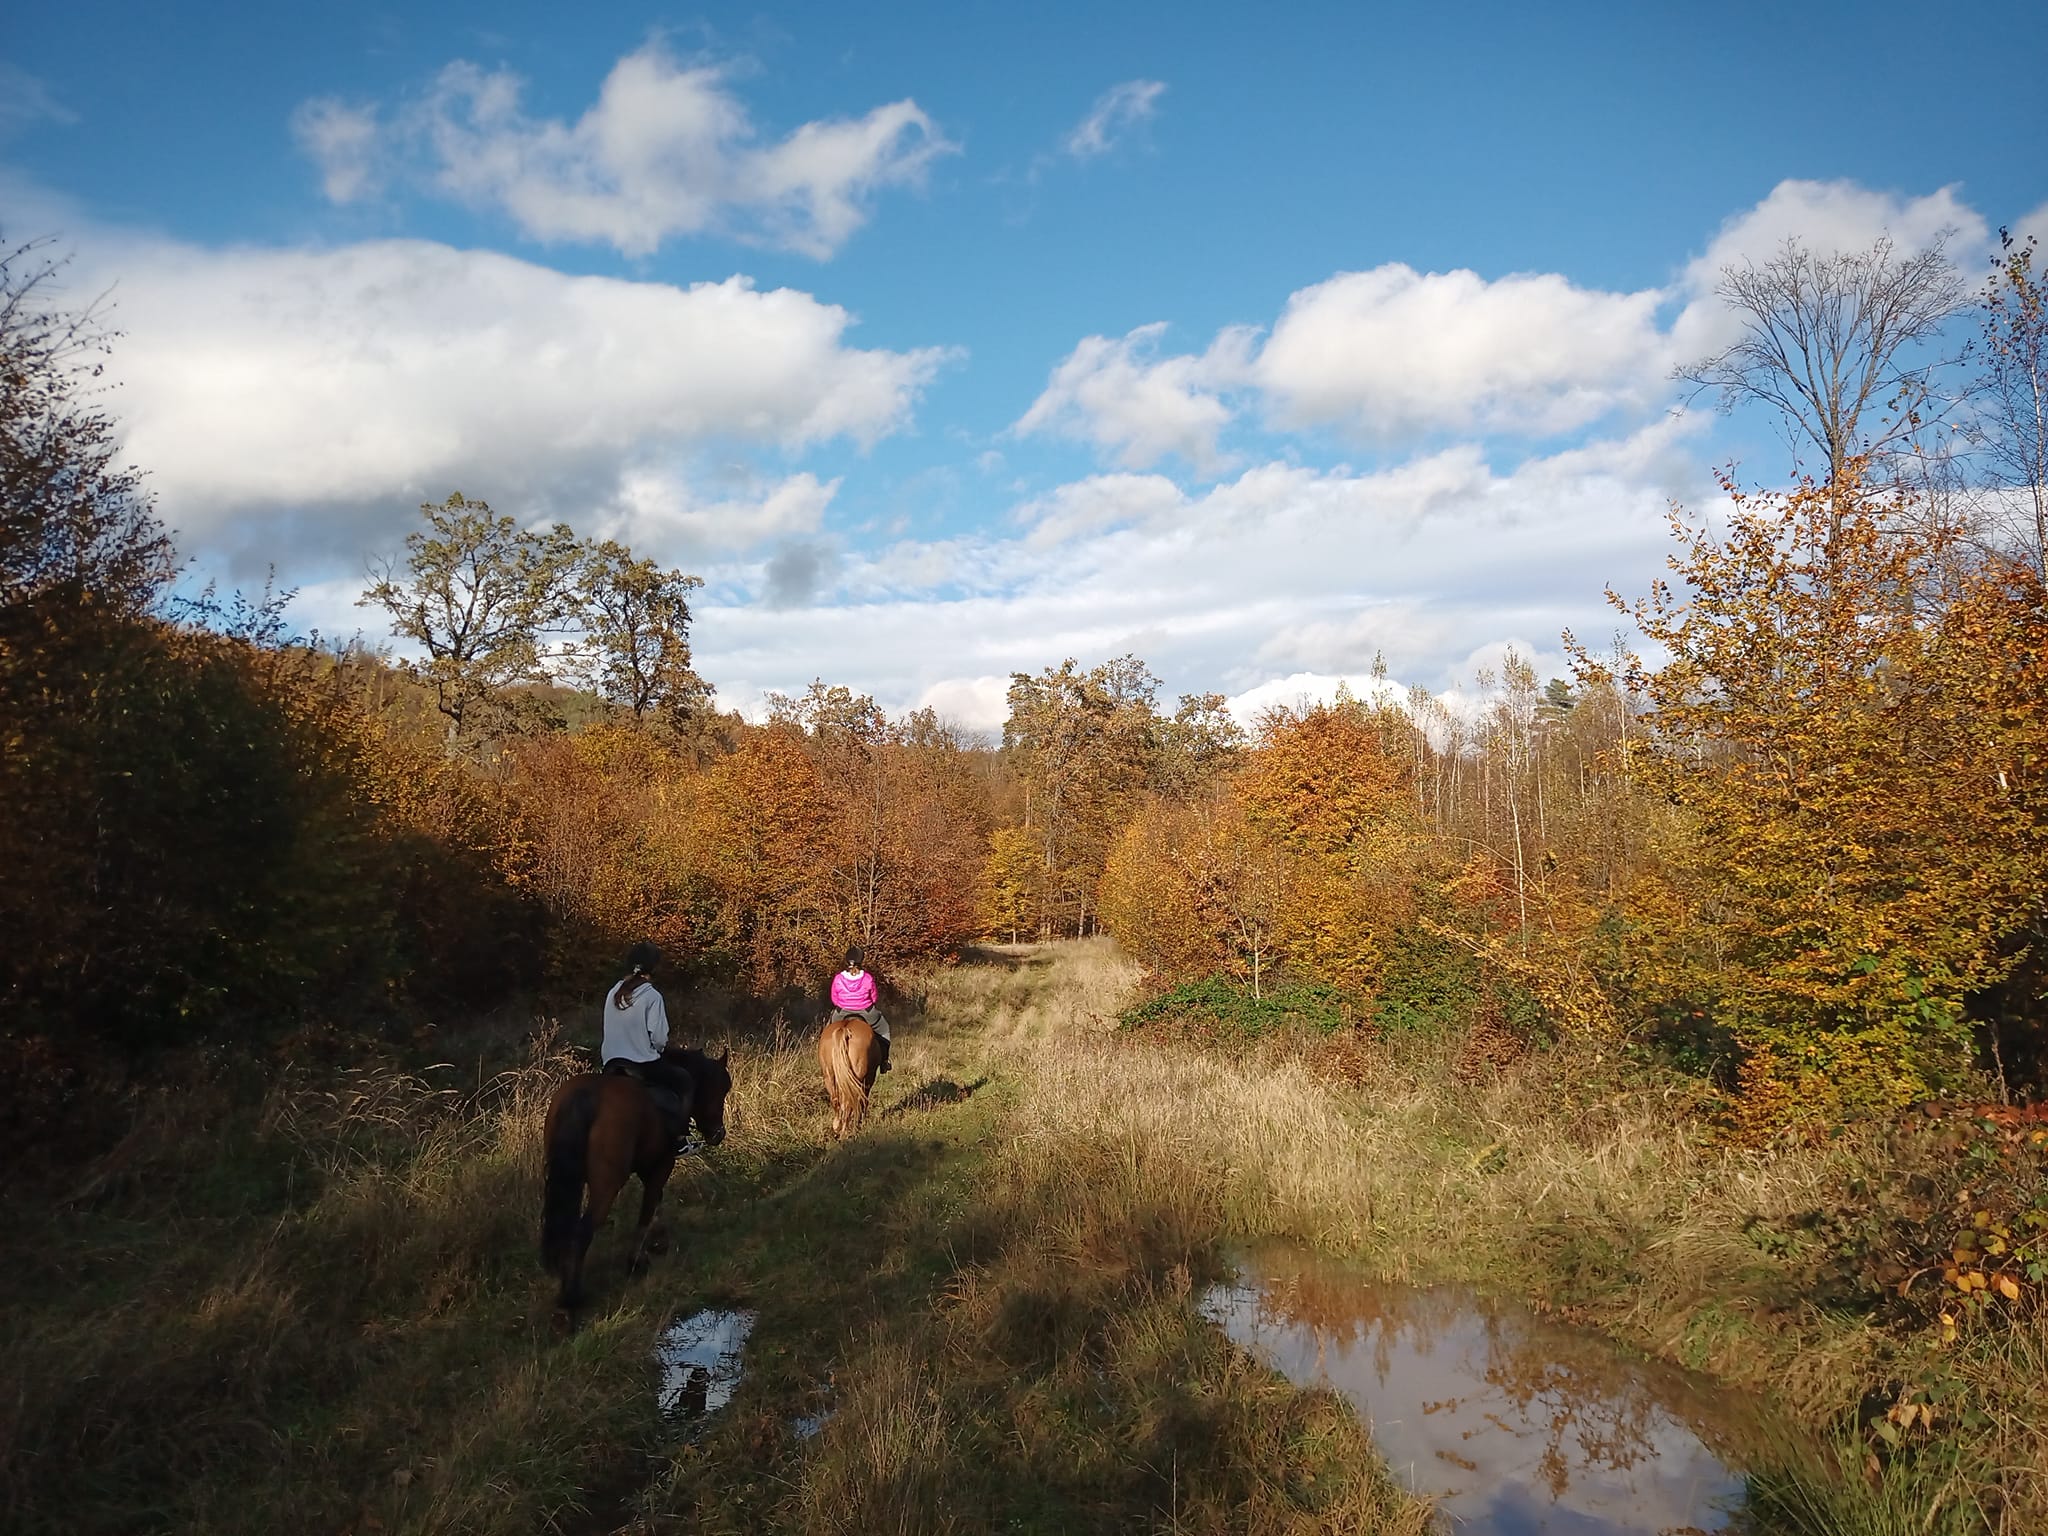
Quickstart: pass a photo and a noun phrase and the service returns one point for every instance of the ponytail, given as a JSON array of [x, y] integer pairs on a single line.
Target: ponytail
[[640, 964]]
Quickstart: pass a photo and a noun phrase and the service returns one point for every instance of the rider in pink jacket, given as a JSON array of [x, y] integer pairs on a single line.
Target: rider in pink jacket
[[853, 997]]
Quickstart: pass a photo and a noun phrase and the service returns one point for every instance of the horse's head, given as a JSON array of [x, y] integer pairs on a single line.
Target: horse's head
[[712, 1082]]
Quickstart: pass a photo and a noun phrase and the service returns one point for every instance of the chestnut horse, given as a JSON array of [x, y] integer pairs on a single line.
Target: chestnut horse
[[601, 1130], [846, 1050]]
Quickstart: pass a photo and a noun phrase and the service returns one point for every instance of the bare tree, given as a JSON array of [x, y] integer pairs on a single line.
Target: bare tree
[[1827, 337], [2012, 404]]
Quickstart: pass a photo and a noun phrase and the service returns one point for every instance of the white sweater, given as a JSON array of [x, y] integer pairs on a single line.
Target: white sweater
[[638, 1031]]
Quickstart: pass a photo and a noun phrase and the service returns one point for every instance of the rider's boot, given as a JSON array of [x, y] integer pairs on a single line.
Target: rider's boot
[[883, 1042]]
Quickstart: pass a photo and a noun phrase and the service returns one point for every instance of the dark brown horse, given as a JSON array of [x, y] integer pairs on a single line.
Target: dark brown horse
[[601, 1130], [846, 1050]]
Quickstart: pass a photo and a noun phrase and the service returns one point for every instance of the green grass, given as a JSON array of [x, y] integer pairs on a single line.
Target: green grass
[[1233, 1009]]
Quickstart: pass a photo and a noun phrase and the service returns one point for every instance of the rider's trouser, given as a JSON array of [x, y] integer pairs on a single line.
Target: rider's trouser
[[872, 1017], [657, 1074]]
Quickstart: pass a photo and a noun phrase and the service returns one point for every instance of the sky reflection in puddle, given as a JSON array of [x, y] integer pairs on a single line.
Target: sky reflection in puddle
[[700, 1365], [1517, 1425]]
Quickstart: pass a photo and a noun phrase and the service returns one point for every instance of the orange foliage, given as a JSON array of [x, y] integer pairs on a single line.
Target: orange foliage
[[1852, 719], [764, 828]]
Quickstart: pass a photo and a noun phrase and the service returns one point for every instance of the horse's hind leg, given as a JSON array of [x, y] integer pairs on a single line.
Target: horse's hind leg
[[604, 1189], [651, 1186]]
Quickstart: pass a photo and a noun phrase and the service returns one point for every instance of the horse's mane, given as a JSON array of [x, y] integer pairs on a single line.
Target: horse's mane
[[696, 1060]]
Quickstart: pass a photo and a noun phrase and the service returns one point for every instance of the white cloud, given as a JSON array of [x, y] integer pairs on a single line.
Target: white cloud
[[660, 509], [1390, 354], [1280, 573], [1393, 352], [1824, 216], [352, 383], [1834, 216], [1137, 409], [979, 704], [343, 140], [1116, 111], [1309, 688], [1097, 504], [667, 149]]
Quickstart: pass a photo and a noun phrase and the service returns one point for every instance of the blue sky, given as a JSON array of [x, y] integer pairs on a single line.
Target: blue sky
[[961, 338]]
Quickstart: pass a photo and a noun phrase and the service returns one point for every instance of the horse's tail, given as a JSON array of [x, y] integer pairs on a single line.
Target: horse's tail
[[856, 1080], [561, 1201]]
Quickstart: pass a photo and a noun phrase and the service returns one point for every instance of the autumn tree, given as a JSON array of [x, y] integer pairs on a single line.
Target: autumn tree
[[77, 528], [1855, 766], [1323, 787], [764, 823], [635, 618], [1011, 876], [1160, 915], [1083, 743], [1197, 745], [478, 594]]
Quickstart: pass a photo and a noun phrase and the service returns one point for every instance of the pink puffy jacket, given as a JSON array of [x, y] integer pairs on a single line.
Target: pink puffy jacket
[[853, 992]]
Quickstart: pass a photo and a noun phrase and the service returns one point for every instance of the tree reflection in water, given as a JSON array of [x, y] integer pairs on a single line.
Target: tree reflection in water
[[1516, 1423]]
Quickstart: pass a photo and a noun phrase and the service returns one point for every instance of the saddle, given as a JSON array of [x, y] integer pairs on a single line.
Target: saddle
[[675, 1115]]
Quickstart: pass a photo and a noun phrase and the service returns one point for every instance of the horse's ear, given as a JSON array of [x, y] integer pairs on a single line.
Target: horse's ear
[[724, 1056]]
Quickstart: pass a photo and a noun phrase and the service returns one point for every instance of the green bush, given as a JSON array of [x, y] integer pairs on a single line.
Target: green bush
[[1231, 1008]]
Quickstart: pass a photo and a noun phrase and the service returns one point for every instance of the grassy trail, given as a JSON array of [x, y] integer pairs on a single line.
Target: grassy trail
[[998, 1351], [324, 1314]]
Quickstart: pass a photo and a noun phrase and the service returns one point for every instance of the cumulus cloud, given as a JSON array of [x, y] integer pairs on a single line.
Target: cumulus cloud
[[1096, 504], [668, 149], [1116, 111], [1137, 408], [1305, 689], [795, 573], [1834, 216], [351, 383], [1393, 352], [1824, 216], [979, 704], [661, 509], [1281, 576]]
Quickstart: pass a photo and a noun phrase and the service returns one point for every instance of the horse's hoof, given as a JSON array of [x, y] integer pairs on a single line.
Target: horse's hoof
[[563, 1322]]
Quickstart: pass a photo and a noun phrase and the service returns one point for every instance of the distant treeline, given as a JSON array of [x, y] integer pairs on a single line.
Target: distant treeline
[[1804, 853]]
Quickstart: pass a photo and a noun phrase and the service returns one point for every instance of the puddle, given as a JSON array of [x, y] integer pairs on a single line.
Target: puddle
[[807, 1426], [699, 1358], [1515, 1424]]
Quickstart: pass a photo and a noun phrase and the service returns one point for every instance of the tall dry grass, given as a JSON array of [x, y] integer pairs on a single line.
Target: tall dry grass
[[312, 1313], [320, 1309], [1564, 1179]]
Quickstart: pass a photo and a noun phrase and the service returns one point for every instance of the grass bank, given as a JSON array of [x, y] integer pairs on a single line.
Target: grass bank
[[318, 1308], [321, 1310]]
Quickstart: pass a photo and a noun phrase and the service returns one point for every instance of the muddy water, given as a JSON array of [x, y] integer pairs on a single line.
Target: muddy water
[[1515, 1424], [699, 1360]]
